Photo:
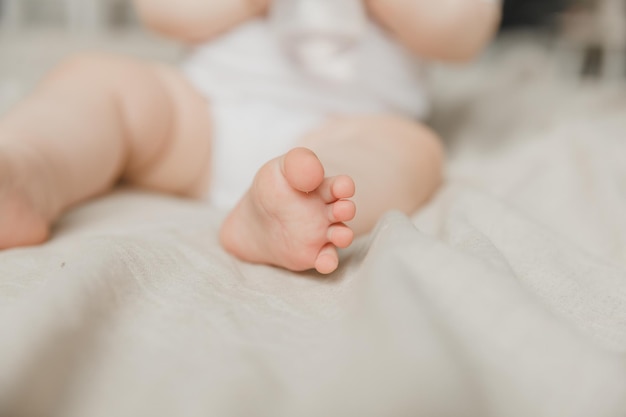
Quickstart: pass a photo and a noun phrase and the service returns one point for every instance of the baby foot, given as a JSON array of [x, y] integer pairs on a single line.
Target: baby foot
[[21, 222], [292, 216]]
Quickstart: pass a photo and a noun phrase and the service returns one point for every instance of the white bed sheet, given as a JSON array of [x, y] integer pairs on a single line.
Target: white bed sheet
[[505, 296]]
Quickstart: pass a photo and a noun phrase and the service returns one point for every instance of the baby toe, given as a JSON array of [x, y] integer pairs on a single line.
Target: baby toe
[[336, 188], [343, 187], [302, 169], [341, 211], [340, 235], [327, 260]]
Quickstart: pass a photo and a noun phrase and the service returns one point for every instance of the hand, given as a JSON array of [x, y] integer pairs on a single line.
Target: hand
[[194, 21], [448, 30]]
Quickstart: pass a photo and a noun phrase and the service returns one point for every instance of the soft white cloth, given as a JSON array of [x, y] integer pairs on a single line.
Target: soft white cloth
[[506, 296], [322, 37], [249, 61]]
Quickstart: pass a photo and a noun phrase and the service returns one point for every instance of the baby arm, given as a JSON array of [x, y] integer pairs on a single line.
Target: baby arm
[[447, 30], [195, 21]]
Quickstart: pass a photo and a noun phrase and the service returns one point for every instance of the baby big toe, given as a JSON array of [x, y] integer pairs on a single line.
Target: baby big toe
[[302, 169]]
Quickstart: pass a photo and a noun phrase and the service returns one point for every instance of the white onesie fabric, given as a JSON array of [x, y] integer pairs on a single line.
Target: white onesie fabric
[[262, 103]]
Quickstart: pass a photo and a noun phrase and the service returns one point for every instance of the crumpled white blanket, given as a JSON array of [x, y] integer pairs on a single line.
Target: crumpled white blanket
[[505, 296]]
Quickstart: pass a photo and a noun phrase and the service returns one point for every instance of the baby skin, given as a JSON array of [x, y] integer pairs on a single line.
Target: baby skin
[[292, 215], [97, 120]]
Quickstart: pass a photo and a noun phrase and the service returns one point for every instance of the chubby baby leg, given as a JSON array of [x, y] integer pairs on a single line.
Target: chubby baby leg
[[95, 120], [302, 206]]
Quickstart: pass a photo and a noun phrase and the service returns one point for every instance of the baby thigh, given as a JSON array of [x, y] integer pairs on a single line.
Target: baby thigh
[[396, 163], [100, 118], [181, 164]]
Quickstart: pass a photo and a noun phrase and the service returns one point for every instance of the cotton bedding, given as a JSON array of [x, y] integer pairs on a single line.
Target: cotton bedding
[[504, 296]]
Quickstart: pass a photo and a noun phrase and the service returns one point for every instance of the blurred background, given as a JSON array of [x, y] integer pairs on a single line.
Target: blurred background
[[593, 29], [595, 26], [77, 15], [585, 39], [97, 15], [93, 15]]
